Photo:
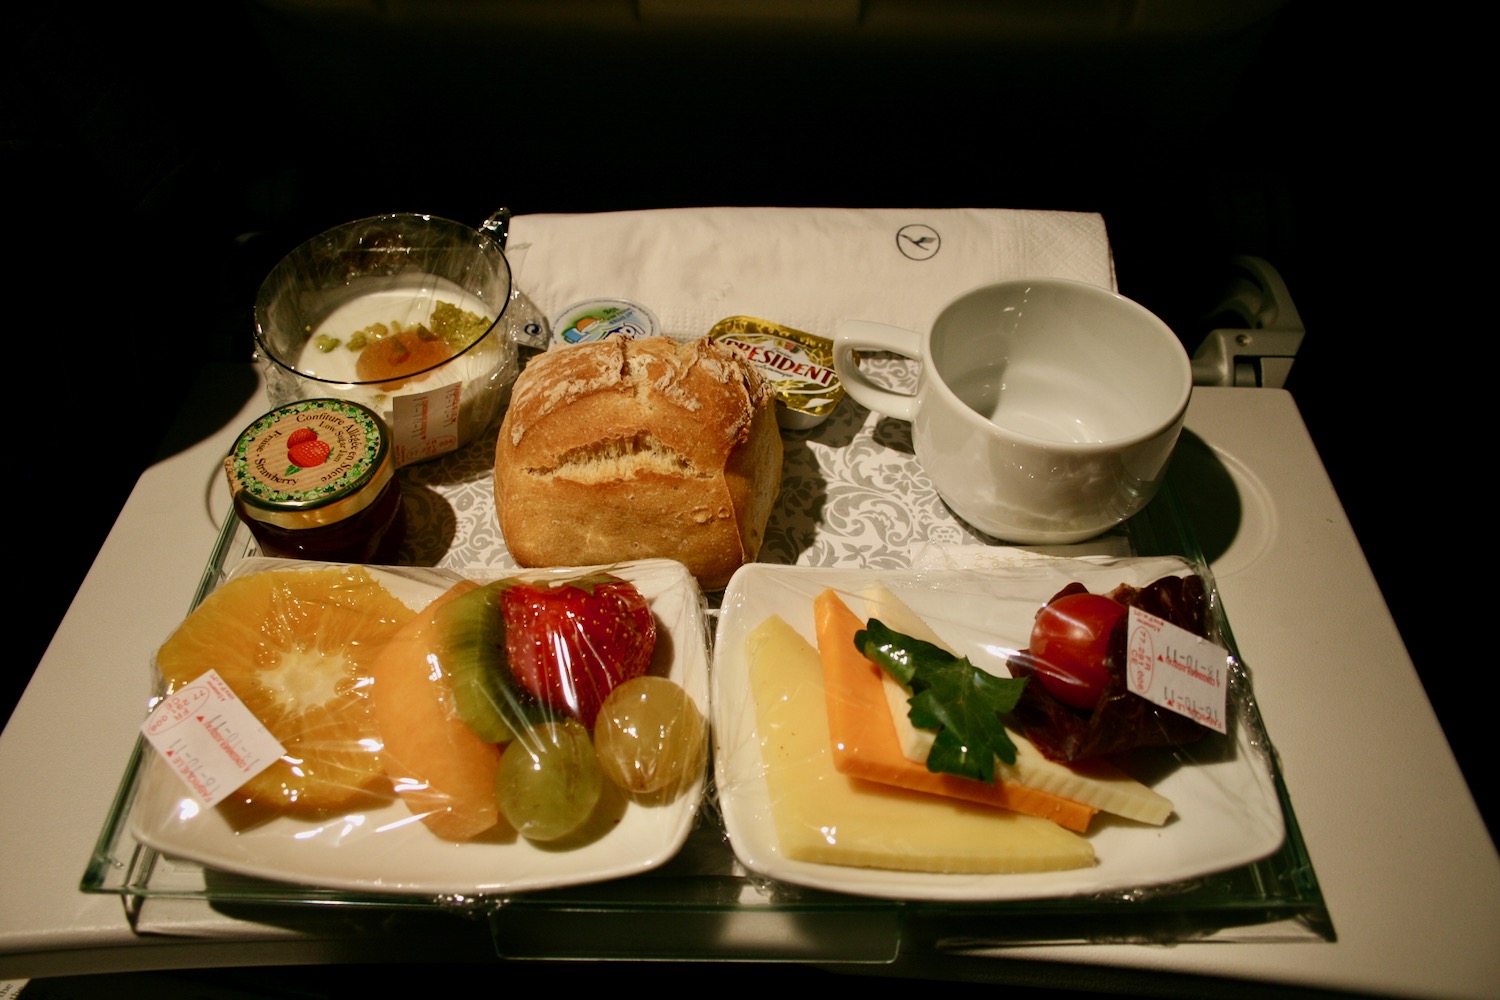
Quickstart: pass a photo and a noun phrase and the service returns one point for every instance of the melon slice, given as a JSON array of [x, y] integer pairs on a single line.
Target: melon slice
[[439, 767]]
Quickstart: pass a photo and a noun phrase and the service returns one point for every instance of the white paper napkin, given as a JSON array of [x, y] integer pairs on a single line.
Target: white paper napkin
[[806, 268]]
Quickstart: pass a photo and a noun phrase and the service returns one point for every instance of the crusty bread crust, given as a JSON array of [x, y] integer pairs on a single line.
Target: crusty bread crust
[[632, 449]]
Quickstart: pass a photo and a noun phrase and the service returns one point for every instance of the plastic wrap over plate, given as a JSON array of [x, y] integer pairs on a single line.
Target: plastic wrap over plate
[[382, 850], [1226, 814]]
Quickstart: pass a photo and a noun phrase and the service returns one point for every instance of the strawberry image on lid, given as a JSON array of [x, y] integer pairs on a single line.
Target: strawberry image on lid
[[307, 455], [305, 449], [316, 479]]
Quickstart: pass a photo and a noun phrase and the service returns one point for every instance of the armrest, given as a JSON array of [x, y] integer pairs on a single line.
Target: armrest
[[1260, 353]]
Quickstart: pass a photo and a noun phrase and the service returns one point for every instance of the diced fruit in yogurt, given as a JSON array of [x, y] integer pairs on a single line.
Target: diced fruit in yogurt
[[395, 360], [391, 336], [297, 647], [459, 359]]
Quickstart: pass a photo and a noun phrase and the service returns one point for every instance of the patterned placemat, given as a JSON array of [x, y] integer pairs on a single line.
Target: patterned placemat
[[852, 494]]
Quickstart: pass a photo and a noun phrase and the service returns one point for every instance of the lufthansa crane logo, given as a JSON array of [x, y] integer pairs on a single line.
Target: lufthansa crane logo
[[918, 242]]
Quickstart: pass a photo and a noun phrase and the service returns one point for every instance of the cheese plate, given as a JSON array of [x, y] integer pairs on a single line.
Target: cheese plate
[[384, 851], [1227, 810]]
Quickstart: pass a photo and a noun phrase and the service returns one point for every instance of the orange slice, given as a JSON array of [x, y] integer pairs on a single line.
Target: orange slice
[[295, 646]]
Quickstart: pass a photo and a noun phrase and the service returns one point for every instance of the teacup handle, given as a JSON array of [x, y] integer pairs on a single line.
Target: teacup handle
[[862, 335]]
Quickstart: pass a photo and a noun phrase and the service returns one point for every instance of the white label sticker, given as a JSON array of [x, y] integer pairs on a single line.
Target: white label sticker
[[1173, 668], [210, 739], [425, 424]]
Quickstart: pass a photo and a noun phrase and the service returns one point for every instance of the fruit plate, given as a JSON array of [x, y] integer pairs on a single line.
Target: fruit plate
[[1227, 809], [382, 851]]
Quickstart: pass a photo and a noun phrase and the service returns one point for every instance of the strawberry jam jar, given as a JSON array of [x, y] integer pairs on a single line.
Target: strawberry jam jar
[[315, 479]]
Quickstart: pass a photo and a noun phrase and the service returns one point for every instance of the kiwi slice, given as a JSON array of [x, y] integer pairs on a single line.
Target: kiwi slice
[[471, 628]]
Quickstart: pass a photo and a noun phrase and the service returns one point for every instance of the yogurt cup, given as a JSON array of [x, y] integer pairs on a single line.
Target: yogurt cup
[[388, 280]]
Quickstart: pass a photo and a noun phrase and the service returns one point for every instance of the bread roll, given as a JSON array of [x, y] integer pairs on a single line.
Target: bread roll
[[638, 448]]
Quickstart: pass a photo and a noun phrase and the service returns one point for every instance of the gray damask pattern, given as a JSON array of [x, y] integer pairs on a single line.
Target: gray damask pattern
[[852, 494]]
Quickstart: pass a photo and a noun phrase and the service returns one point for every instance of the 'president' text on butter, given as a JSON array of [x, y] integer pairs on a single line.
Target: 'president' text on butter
[[798, 366]]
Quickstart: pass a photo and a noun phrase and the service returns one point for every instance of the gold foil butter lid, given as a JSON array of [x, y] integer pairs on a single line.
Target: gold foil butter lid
[[310, 463], [798, 365]]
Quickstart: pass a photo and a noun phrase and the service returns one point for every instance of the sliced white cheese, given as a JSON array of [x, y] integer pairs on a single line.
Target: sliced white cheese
[[826, 817], [1096, 783]]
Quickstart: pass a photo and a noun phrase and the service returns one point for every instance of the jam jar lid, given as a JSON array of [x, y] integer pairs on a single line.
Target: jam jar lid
[[310, 463]]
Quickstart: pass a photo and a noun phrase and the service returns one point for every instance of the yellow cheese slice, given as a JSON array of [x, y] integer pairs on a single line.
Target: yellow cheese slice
[[825, 817], [1096, 783]]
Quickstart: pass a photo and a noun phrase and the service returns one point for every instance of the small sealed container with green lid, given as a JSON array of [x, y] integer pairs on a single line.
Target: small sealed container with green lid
[[315, 479]]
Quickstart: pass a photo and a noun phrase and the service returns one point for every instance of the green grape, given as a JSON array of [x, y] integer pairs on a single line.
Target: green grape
[[649, 736], [549, 780]]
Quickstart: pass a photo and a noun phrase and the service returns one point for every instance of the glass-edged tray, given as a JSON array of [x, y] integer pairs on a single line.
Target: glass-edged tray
[[851, 496]]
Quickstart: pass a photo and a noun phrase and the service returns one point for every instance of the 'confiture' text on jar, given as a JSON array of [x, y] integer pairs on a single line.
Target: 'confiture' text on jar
[[315, 479]]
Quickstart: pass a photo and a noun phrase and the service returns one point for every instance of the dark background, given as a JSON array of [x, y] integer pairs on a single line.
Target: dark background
[[157, 162]]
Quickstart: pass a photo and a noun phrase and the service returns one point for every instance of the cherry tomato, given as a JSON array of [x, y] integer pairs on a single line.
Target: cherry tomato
[[1068, 643]]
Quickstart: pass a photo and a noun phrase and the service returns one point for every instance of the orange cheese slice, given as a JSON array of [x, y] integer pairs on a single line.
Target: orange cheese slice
[[1095, 782], [824, 817], [864, 738]]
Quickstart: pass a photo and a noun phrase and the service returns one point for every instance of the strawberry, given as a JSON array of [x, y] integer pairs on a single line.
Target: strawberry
[[301, 434], [570, 645], [307, 454]]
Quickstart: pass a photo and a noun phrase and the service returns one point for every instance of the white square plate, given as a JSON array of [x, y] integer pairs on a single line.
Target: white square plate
[[1227, 812], [384, 850]]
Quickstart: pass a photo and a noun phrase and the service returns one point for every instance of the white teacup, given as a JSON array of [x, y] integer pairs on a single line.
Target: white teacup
[[1045, 411]]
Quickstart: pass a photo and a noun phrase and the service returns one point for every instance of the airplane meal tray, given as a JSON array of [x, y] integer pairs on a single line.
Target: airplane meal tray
[[853, 496]]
